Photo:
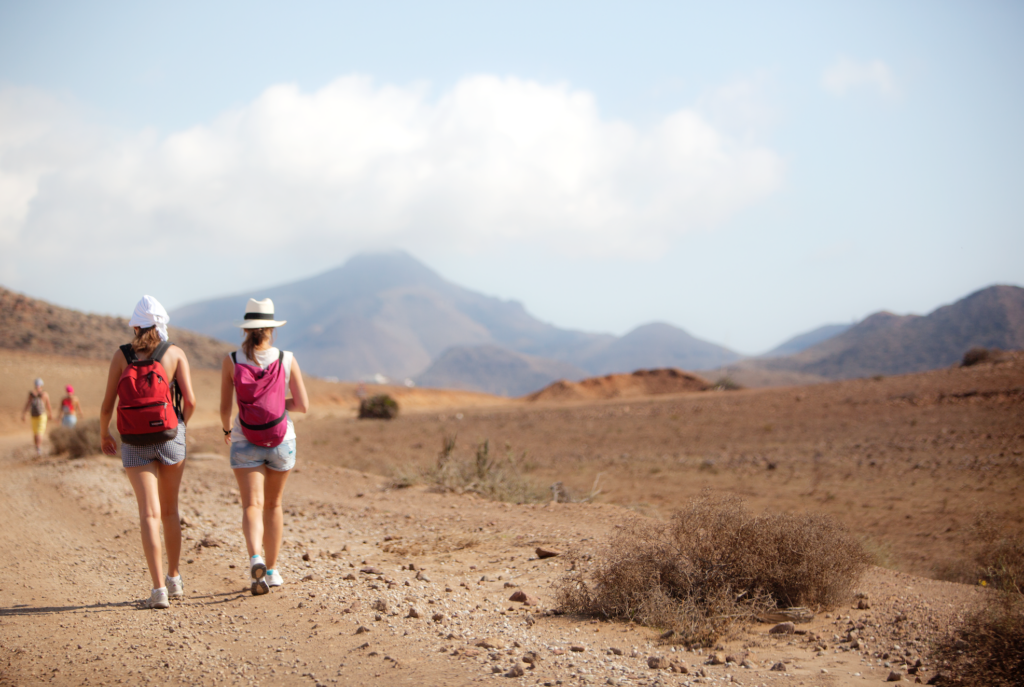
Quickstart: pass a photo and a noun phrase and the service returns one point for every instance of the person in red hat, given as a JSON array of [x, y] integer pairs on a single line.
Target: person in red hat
[[70, 408]]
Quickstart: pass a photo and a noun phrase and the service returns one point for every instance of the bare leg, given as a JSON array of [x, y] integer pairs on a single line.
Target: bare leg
[[250, 488], [170, 480], [273, 517], [146, 484]]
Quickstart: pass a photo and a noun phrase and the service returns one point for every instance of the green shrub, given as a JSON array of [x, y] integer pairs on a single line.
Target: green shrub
[[712, 565], [379, 407], [81, 440], [725, 384]]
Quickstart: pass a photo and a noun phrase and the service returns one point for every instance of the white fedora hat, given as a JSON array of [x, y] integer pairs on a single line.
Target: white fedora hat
[[259, 315]]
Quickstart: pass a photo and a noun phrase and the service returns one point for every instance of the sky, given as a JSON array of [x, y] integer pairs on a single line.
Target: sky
[[746, 171]]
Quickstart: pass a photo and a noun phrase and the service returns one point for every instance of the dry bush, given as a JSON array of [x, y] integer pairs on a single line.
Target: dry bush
[[493, 478], [988, 647], [379, 407], [81, 440], [712, 565], [976, 355]]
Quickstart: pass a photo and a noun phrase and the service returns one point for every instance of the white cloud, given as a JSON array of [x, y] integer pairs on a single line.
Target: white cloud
[[847, 75], [358, 165]]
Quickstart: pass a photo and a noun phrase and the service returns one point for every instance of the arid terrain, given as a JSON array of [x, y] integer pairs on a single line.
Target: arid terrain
[[405, 585]]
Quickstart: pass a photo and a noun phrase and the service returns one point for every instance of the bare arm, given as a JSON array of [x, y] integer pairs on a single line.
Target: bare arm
[[49, 410], [183, 376], [117, 365], [227, 392], [78, 407], [28, 404], [299, 402]]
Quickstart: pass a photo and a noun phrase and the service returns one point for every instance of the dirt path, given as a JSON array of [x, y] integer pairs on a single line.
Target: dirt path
[[73, 572]]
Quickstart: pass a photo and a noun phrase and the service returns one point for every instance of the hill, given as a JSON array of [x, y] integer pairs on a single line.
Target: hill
[[392, 315], [802, 342], [39, 327], [637, 384], [888, 344], [495, 370]]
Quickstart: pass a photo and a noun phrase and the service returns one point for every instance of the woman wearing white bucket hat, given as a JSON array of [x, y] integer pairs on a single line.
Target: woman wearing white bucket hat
[[262, 436]]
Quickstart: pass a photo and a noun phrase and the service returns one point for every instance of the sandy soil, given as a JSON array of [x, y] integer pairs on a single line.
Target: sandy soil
[[908, 462]]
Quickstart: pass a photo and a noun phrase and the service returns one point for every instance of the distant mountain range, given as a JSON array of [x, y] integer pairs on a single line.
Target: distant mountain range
[[389, 314], [889, 344]]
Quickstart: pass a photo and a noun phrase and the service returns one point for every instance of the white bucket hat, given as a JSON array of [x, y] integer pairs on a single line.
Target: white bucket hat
[[259, 315]]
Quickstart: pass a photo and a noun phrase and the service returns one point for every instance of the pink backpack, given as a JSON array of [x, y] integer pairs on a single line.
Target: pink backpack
[[261, 399]]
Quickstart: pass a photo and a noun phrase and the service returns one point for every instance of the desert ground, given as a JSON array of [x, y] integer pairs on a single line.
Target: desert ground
[[389, 581]]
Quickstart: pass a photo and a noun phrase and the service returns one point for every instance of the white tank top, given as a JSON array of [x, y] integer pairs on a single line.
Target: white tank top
[[263, 360]]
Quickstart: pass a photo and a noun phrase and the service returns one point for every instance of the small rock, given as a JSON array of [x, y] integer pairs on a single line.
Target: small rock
[[437, 617], [577, 648], [421, 577], [679, 667], [350, 576], [517, 670], [546, 553], [531, 657], [717, 659], [656, 662], [863, 604], [666, 635], [748, 664], [370, 570], [361, 629], [894, 676], [379, 605], [336, 554], [779, 667], [786, 628], [311, 578], [413, 613], [615, 650], [487, 643], [524, 598], [306, 556]]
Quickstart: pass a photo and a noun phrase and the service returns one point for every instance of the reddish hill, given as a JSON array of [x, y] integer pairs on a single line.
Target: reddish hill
[[38, 327], [667, 380]]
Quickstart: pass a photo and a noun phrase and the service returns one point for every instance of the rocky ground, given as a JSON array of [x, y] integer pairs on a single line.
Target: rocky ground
[[409, 586], [400, 587]]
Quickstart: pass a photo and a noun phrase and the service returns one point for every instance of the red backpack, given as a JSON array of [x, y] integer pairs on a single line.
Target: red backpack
[[261, 401], [147, 400]]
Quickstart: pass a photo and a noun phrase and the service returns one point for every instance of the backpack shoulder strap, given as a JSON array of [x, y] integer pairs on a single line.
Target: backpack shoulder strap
[[234, 359], [129, 353], [160, 351], [280, 357]]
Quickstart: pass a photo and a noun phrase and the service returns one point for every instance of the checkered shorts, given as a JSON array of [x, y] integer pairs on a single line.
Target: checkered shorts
[[170, 452]]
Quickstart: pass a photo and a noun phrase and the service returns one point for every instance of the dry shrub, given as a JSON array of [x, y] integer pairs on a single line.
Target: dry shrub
[[977, 355], [493, 478], [988, 647], [81, 440], [379, 407], [712, 565]]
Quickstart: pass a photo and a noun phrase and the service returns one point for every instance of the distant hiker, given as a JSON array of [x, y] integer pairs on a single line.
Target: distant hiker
[[70, 408], [262, 436], [150, 379], [38, 405]]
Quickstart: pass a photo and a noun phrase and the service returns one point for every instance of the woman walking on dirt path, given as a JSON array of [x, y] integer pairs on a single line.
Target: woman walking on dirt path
[[70, 408], [152, 412], [38, 405], [262, 436]]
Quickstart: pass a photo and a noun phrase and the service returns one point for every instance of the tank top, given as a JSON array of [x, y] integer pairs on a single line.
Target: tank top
[[263, 359], [68, 405]]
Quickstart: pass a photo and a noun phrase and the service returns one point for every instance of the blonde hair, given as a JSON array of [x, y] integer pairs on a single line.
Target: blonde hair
[[255, 338], [146, 340]]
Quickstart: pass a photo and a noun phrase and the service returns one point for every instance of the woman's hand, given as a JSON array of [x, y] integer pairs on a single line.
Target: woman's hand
[[227, 439], [108, 445]]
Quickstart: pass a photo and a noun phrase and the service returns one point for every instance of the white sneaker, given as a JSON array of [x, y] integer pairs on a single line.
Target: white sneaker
[[274, 578], [258, 570], [175, 589], [157, 599]]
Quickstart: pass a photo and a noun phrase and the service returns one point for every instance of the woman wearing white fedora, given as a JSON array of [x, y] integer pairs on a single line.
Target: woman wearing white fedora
[[262, 436]]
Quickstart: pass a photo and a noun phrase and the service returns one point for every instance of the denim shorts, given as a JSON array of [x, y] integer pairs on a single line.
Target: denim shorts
[[280, 458]]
